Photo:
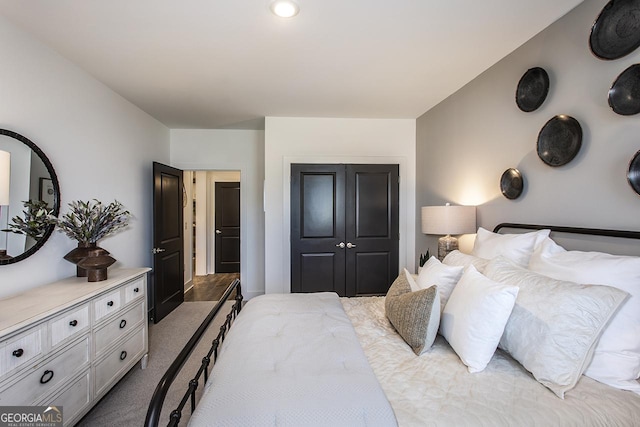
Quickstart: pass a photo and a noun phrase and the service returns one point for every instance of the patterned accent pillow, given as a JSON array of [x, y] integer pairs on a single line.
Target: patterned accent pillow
[[616, 358], [555, 325], [415, 315]]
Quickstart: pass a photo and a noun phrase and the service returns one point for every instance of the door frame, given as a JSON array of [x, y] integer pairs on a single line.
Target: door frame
[[219, 175], [407, 211]]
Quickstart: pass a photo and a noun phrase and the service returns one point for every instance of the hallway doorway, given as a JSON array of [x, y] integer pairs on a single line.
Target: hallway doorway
[[203, 208], [210, 287]]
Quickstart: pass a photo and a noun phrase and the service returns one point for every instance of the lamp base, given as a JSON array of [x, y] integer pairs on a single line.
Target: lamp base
[[4, 256], [446, 244]]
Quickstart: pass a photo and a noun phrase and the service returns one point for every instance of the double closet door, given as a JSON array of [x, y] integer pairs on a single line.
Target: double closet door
[[344, 228]]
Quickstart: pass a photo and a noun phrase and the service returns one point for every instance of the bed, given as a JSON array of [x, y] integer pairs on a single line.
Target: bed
[[317, 359]]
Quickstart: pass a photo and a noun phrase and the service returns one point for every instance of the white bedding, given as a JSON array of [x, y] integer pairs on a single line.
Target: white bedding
[[293, 360], [435, 389]]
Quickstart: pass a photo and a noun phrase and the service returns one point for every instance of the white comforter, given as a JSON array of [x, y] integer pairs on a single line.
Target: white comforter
[[435, 389], [293, 360]]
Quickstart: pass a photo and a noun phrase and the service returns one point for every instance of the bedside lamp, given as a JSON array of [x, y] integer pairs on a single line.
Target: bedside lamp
[[5, 180], [448, 220]]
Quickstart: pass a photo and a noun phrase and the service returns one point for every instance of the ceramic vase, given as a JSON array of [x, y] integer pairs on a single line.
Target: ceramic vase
[[78, 254], [96, 263]]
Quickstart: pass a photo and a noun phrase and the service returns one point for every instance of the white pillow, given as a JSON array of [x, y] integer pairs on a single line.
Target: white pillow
[[616, 360], [475, 316], [412, 281], [516, 247], [443, 276], [554, 325], [457, 258]]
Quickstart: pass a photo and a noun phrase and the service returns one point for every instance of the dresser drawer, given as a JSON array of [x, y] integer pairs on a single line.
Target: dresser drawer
[[46, 376], [118, 327], [74, 399], [119, 360], [69, 325], [134, 290], [18, 351], [107, 304]]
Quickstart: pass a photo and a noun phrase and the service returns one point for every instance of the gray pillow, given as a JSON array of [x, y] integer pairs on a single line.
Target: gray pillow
[[415, 315]]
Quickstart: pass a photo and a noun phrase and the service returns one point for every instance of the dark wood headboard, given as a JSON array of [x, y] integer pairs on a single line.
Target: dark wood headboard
[[621, 242], [571, 230]]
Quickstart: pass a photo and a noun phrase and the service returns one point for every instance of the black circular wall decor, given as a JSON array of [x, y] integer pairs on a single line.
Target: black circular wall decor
[[559, 140], [633, 176], [532, 90], [624, 95], [616, 31], [511, 183]]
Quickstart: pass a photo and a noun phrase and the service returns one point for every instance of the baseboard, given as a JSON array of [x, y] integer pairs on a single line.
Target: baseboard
[[188, 286], [248, 295]]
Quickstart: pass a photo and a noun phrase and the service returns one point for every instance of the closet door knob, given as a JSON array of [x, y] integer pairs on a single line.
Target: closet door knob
[[340, 245], [73, 323], [350, 245]]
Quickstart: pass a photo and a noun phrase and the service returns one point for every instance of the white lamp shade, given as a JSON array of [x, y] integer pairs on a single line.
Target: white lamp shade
[[448, 219], [5, 177]]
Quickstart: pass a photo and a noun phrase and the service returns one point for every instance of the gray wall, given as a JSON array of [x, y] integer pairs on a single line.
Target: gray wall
[[466, 142], [100, 145], [232, 150]]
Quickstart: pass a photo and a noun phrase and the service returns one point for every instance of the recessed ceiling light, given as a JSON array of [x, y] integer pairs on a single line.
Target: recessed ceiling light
[[285, 8]]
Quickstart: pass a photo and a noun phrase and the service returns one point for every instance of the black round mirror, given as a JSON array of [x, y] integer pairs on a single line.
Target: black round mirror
[[31, 192]]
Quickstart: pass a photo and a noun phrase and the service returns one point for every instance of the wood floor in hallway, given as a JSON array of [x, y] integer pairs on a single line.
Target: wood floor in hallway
[[210, 287]]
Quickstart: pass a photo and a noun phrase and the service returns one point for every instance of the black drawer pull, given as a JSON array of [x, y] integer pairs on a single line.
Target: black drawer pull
[[73, 323], [123, 355], [19, 352], [110, 303], [123, 323], [136, 290], [42, 378]]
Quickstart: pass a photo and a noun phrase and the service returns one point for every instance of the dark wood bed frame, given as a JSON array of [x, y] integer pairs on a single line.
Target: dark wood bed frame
[[155, 407], [571, 230]]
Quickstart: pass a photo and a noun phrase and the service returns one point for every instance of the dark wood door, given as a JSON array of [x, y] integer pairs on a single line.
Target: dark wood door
[[344, 228], [317, 228], [372, 228], [227, 227], [168, 246]]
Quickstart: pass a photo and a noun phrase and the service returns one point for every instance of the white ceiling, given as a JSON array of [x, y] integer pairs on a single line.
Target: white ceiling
[[219, 63]]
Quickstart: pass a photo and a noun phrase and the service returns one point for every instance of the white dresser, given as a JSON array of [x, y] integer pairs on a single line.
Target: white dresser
[[67, 343]]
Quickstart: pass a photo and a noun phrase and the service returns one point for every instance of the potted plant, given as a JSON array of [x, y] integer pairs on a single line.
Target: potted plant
[[423, 259], [87, 223], [35, 222]]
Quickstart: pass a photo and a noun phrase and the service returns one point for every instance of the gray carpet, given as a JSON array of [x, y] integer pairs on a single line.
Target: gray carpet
[[126, 404]]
